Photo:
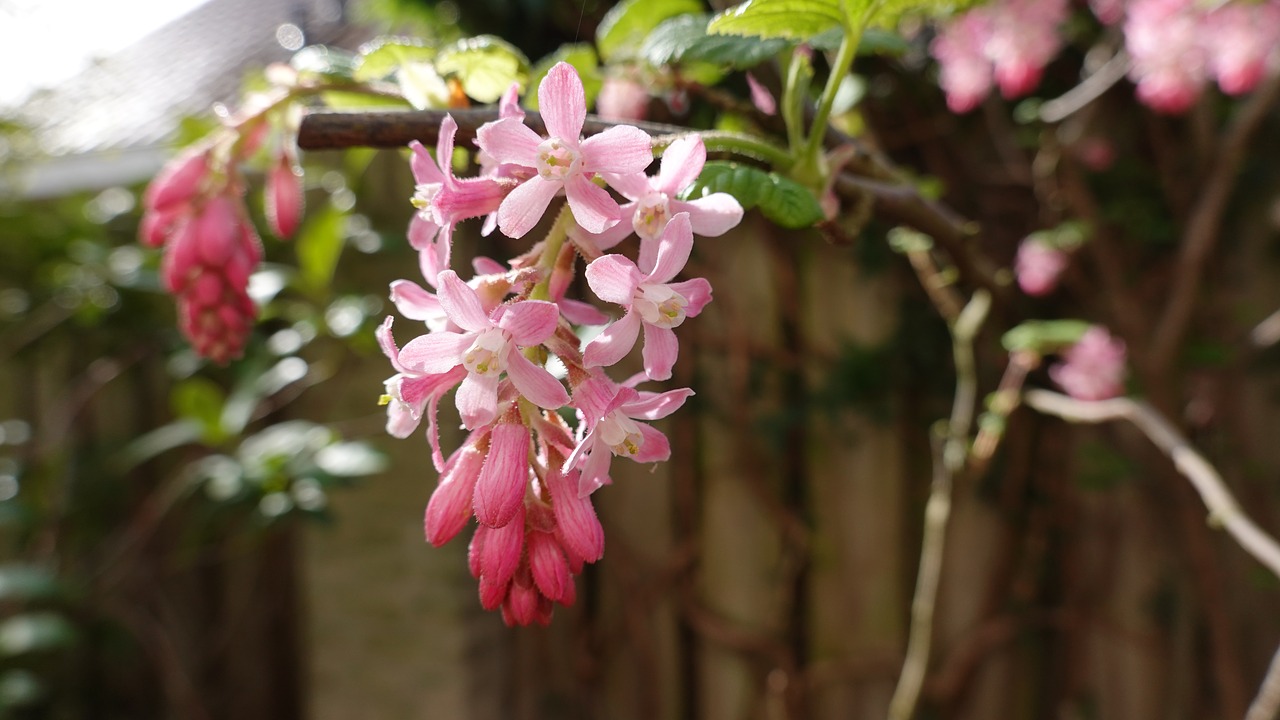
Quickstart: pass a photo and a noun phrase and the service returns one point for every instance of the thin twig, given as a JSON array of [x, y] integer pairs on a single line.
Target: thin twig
[[1089, 89], [1266, 706]]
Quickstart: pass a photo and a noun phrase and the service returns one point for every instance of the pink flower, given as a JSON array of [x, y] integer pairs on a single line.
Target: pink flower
[[609, 412], [283, 196], [412, 395], [563, 161], [965, 69], [488, 346], [1038, 266], [622, 99], [761, 97], [653, 199], [1169, 62], [450, 506], [1240, 38], [650, 299], [1093, 368], [444, 200], [1010, 40]]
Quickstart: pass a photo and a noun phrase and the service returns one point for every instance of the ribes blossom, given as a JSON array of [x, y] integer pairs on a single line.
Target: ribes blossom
[[1093, 368]]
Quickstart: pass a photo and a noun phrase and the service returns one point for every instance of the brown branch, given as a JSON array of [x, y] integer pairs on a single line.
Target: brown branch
[[1204, 225]]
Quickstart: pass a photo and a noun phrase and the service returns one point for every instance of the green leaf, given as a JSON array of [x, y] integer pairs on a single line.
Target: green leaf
[[162, 439], [324, 61], [381, 58], [1044, 336], [628, 23], [319, 246], [684, 39], [24, 583], [485, 65], [200, 400], [583, 59], [343, 100], [34, 632], [782, 200], [793, 19]]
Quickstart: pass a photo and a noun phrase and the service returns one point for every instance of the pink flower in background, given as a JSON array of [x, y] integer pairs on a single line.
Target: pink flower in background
[[1109, 12], [1009, 41], [1170, 65], [1038, 266], [282, 196], [609, 414], [1093, 368], [1241, 38], [653, 199], [622, 98], [563, 161], [488, 346], [965, 70], [651, 300], [444, 200], [761, 97]]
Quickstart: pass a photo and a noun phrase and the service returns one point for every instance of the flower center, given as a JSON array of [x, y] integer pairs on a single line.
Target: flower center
[[557, 160], [621, 434], [659, 305], [424, 194], [486, 354], [652, 212]]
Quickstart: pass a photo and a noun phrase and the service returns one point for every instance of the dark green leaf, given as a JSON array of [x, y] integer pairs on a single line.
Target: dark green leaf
[[626, 26], [784, 201], [685, 39]]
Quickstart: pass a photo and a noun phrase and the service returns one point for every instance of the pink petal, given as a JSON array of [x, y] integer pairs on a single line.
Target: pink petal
[[618, 232], [477, 400], [681, 164], [673, 249], [533, 382], [655, 447], [613, 278], [435, 352], [761, 97], [505, 476], [614, 343], [422, 235], [509, 140], [387, 341], [581, 313], [487, 266], [697, 291], [414, 302], [652, 406], [593, 397], [500, 548], [461, 303], [450, 506], [660, 351], [444, 148], [576, 524], [524, 207], [529, 322], [712, 215], [425, 169], [593, 207], [622, 149], [521, 605], [492, 594], [631, 185], [563, 103], [509, 103], [548, 566], [595, 470]]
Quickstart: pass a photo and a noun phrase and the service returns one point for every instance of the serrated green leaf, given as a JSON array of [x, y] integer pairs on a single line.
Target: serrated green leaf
[[381, 58], [200, 400], [800, 20], [1044, 336], [627, 24], [781, 200], [684, 39], [583, 59], [319, 245], [485, 65]]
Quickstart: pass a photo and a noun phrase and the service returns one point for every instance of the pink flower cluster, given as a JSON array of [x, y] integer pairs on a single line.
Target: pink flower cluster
[[523, 473], [1176, 46], [194, 208], [1007, 42], [1093, 368]]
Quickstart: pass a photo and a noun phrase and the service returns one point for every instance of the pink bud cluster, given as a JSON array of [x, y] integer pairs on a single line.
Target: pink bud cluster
[[1175, 47], [194, 209], [523, 473], [1093, 368]]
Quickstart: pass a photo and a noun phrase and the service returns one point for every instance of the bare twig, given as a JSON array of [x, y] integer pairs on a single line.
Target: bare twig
[[1266, 706], [1090, 89]]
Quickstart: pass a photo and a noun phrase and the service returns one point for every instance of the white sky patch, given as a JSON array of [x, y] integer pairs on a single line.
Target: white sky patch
[[44, 42]]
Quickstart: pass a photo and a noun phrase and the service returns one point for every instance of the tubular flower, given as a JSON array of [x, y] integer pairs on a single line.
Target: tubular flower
[[1038, 266], [1093, 368], [653, 199], [488, 346], [650, 298], [444, 200], [412, 395], [610, 413], [562, 161]]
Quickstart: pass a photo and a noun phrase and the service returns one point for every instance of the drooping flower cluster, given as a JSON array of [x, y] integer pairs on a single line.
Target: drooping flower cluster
[[523, 472], [1093, 368], [1175, 47]]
